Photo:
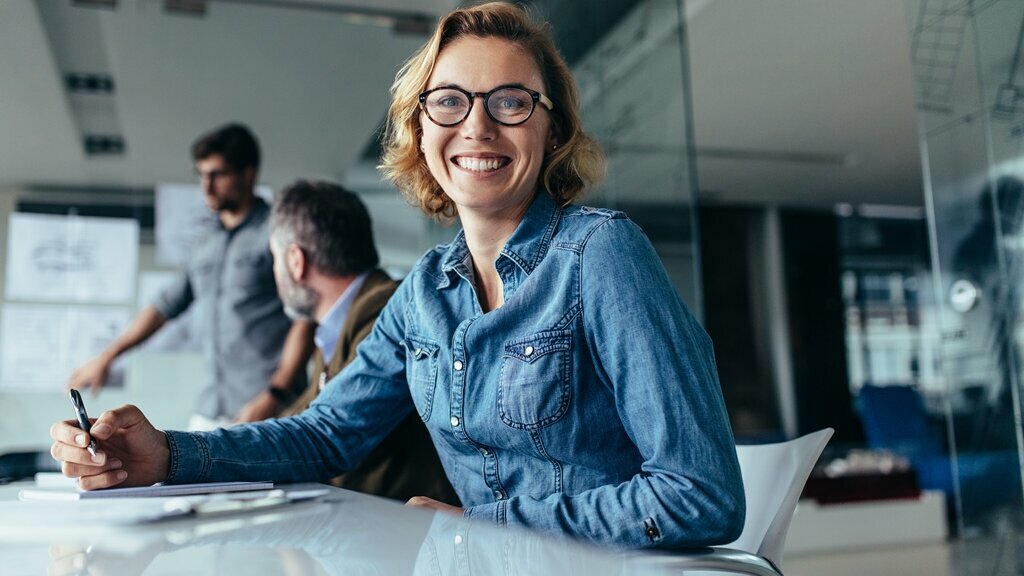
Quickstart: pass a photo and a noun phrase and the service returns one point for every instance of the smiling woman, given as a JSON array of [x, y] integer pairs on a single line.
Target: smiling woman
[[565, 385]]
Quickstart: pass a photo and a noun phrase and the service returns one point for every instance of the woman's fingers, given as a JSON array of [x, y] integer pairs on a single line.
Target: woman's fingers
[[73, 470], [73, 454], [68, 432], [103, 480]]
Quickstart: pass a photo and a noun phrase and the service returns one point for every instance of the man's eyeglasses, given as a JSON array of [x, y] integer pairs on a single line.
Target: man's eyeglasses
[[506, 105]]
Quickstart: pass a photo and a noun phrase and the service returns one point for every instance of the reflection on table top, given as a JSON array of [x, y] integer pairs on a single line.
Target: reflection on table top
[[343, 533]]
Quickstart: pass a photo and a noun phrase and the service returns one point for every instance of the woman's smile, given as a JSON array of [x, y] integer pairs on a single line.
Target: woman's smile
[[481, 163]]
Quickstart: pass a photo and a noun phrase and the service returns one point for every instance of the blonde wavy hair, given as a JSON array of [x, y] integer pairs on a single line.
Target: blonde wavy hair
[[568, 172]]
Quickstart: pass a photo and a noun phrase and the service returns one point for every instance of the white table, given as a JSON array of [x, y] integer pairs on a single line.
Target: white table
[[345, 533]]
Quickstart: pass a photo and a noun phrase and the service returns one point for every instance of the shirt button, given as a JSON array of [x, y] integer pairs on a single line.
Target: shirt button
[[418, 352], [458, 538], [529, 351], [455, 421], [458, 365], [498, 495], [485, 451]]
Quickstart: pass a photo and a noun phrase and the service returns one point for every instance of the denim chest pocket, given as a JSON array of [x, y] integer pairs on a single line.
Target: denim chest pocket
[[536, 374], [421, 371]]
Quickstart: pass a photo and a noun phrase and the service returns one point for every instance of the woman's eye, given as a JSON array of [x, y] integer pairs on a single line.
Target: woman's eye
[[510, 103], [450, 102]]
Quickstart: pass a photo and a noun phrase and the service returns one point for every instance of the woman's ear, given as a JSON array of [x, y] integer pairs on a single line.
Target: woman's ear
[[556, 134]]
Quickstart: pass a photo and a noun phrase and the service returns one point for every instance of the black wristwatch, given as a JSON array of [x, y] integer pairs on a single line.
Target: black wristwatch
[[282, 395]]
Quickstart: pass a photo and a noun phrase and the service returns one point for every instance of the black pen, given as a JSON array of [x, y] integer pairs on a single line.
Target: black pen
[[83, 418]]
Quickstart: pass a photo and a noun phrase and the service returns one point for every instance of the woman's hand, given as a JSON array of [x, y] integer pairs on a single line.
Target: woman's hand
[[424, 502], [131, 452]]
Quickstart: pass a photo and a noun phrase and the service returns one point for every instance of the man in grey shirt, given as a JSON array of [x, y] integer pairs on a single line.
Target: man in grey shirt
[[256, 356]]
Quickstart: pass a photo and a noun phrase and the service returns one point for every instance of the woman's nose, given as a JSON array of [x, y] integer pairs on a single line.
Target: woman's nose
[[478, 125]]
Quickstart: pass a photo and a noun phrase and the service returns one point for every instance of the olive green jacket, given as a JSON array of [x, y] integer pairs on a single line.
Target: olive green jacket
[[405, 463]]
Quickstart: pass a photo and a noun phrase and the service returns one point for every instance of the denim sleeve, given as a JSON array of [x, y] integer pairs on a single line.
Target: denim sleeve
[[176, 298], [660, 365], [354, 412]]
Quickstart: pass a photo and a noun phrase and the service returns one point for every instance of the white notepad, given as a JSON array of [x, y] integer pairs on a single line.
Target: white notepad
[[154, 491], [21, 519]]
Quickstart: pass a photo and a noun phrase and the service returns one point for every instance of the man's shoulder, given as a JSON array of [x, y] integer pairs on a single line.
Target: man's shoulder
[[378, 284], [373, 296], [375, 292]]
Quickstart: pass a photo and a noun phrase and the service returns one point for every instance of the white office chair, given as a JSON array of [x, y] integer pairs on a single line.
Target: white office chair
[[773, 477]]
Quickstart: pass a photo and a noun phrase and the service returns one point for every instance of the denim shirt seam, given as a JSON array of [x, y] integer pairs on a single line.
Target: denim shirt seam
[[611, 217], [501, 513], [172, 446], [556, 466], [206, 462]]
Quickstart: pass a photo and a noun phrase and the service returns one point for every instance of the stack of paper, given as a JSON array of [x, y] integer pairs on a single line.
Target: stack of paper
[[154, 491]]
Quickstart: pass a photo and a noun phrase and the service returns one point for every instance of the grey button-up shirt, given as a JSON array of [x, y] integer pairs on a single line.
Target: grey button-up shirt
[[239, 319]]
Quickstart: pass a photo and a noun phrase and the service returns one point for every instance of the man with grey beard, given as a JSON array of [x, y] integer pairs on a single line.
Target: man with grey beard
[[326, 268]]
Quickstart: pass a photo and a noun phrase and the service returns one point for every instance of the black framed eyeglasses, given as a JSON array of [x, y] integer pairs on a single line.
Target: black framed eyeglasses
[[506, 105]]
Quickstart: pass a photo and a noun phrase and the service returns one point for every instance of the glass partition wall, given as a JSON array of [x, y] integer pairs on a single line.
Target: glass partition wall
[[630, 63], [970, 101]]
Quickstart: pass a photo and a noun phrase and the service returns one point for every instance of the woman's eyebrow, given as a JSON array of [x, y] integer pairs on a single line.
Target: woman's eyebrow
[[503, 85]]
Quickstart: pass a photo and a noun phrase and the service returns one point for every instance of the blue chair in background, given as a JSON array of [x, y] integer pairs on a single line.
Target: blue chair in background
[[895, 419]]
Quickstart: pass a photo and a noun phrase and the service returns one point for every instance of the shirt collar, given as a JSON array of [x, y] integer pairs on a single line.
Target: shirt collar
[[258, 212], [329, 329], [526, 247], [531, 239]]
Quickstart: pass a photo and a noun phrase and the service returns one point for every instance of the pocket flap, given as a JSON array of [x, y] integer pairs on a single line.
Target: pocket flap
[[420, 348], [531, 348]]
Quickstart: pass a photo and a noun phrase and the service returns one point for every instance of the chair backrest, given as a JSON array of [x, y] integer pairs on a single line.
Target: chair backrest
[[773, 477], [894, 418]]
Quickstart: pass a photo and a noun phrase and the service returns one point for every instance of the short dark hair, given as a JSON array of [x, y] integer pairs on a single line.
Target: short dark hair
[[235, 142], [329, 223]]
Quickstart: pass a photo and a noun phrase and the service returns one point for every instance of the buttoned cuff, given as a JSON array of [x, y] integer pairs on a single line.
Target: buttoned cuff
[[190, 458], [493, 512]]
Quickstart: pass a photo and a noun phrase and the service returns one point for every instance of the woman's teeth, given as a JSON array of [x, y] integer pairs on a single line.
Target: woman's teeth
[[480, 164]]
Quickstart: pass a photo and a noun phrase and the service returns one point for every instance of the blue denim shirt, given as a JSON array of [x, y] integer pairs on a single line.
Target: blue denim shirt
[[588, 404]]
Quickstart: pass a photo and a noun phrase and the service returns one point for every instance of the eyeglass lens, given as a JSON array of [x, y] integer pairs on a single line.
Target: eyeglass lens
[[449, 106]]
